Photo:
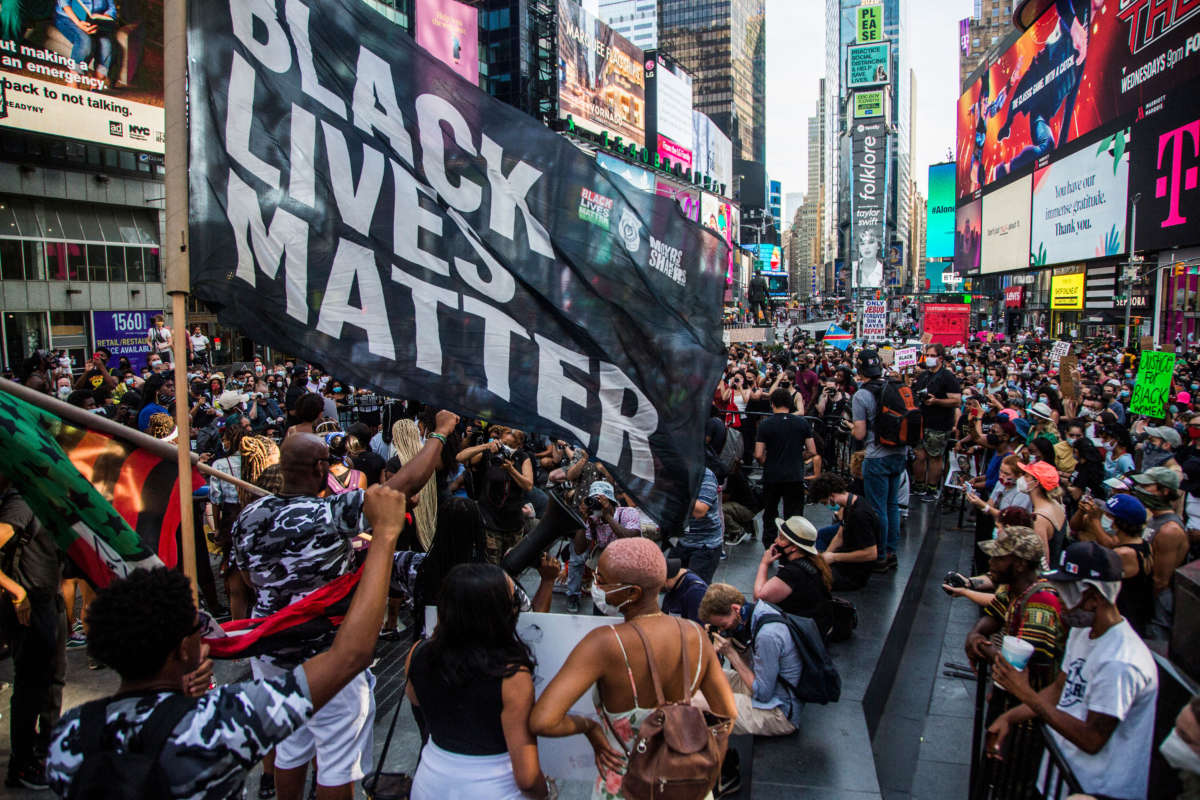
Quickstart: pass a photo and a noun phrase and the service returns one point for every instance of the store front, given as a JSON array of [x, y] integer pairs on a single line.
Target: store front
[[1105, 304], [1180, 321], [1067, 293]]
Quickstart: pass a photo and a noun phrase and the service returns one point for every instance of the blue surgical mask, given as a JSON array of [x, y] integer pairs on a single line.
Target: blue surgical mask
[[833, 506]]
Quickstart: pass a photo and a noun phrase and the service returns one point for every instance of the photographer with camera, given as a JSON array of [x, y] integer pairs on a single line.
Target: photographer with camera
[[606, 521], [502, 473], [938, 394]]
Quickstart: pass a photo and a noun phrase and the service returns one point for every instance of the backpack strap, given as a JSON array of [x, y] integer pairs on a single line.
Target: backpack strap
[[658, 690], [158, 726]]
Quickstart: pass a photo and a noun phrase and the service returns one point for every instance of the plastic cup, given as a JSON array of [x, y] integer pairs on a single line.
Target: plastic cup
[[1016, 651]]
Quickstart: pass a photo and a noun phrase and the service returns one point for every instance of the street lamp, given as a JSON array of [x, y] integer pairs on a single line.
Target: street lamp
[[1130, 268]]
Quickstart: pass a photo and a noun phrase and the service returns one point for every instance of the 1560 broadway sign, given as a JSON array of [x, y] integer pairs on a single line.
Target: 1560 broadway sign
[[372, 211]]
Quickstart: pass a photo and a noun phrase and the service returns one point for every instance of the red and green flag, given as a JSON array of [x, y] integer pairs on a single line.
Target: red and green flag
[[111, 506]]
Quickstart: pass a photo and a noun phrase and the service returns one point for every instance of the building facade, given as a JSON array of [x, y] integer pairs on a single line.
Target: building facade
[[636, 20]]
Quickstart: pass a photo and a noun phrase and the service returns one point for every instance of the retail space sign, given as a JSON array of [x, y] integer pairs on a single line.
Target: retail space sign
[[868, 105], [1152, 389], [868, 65], [874, 319], [870, 23], [1014, 296], [1079, 204], [124, 334], [1066, 292]]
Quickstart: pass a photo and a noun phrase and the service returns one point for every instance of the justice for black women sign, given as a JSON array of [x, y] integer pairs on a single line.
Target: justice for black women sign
[[356, 202]]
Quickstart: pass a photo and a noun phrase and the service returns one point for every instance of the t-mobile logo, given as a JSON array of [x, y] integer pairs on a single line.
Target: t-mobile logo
[[1176, 140]]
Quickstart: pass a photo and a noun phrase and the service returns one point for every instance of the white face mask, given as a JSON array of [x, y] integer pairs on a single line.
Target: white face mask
[[64, 392], [1179, 753], [600, 600], [1023, 485], [1107, 523], [931, 361]]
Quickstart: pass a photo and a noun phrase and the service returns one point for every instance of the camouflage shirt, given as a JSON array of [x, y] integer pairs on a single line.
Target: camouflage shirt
[[292, 546], [211, 749]]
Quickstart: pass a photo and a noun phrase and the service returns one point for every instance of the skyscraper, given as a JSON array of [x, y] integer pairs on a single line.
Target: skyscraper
[[722, 44], [988, 28], [636, 20]]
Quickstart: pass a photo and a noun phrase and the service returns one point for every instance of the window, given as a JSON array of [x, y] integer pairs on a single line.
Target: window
[[116, 264], [10, 260], [133, 264], [35, 260], [150, 262], [76, 265]]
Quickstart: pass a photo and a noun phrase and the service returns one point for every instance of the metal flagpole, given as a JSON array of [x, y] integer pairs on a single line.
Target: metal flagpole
[[178, 271]]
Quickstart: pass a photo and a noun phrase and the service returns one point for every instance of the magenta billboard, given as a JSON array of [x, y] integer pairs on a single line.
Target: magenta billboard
[[450, 30], [672, 153]]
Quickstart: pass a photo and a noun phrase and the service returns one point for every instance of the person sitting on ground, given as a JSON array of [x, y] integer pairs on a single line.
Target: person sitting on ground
[[803, 581], [473, 683], [765, 705], [684, 590], [1100, 708], [146, 627], [615, 660], [850, 548]]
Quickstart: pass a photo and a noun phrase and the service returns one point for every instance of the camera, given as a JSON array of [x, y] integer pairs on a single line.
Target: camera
[[592, 503], [922, 396], [955, 580], [505, 454]]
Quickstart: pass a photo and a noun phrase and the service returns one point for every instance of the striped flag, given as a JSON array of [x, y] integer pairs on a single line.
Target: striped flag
[[111, 506], [837, 337]]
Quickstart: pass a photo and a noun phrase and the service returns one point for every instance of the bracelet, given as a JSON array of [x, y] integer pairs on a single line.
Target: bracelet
[[441, 437]]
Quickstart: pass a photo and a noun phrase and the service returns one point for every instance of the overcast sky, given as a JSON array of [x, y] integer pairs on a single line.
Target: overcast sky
[[796, 61]]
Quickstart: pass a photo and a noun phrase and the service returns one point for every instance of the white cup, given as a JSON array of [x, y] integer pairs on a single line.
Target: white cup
[[1016, 651]]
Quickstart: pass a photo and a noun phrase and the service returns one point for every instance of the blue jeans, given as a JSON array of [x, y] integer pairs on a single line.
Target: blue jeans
[[881, 487], [701, 560], [575, 563], [825, 536], [84, 46]]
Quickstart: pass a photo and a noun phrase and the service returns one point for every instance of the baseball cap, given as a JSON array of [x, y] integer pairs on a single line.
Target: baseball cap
[[1084, 560], [1119, 484], [869, 364], [1022, 426], [800, 532], [230, 399], [1166, 433], [1126, 509], [1163, 476], [603, 489], [1016, 540], [1045, 473], [1010, 414], [1183, 398]]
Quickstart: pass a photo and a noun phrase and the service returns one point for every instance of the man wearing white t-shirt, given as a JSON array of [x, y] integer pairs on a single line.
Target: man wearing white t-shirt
[[1101, 707]]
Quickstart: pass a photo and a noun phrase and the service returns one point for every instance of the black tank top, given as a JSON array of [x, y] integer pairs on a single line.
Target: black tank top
[[1136, 600], [461, 719]]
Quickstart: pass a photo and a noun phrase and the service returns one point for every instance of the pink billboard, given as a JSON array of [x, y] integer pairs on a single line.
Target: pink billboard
[[688, 199], [672, 153], [450, 31]]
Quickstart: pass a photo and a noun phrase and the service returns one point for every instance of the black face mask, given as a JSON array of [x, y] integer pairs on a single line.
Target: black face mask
[[993, 440]]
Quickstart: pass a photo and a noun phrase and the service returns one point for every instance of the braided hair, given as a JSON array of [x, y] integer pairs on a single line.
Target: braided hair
[[406, 441], [258, 454]]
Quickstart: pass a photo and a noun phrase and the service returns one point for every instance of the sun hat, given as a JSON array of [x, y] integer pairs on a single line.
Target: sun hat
[[800, 532]]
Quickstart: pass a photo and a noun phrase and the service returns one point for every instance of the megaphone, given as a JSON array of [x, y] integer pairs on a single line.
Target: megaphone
[[559, 521]]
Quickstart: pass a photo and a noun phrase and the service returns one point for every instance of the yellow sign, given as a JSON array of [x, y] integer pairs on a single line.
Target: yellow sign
[[1066, 292]]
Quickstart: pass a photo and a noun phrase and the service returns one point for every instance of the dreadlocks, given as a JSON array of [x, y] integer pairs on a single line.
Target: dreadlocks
[[258, 454], [406, 441]]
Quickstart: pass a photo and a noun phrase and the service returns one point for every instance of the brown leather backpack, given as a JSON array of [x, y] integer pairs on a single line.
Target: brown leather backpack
[[678, 749]]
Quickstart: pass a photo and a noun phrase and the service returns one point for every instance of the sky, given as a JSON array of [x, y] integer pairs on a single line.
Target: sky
[[796, 62]]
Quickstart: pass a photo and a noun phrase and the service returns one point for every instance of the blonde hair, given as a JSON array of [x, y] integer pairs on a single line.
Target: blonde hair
[[720, 599], [406, 443], [258, 453]]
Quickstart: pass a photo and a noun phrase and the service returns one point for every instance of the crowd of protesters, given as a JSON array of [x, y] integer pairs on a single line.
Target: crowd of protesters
[[1082, 512]]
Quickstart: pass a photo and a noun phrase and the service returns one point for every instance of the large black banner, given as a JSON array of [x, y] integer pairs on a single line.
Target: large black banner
[[356, 202]]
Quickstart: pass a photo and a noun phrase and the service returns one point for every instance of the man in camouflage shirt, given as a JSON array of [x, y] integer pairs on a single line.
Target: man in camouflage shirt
[[146, 627]]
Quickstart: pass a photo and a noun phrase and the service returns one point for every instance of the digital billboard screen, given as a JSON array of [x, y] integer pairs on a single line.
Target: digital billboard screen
[[712, 152], [723, 219], [1006, 227], [669, 87], [1079, 204], [868, 160], [868, 64], [640, 178], [968, 237], [1163, 168], [1082, 65], [115, 98], [939, 217], [688, 198], [449, 30], [601, 84]]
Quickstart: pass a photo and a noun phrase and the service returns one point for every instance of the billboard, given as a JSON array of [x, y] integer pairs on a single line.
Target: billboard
[[868, 165], [1082, 65], [601, 85], [868, 104], [933, 276], [124, 334], [723, 219], [1079, 204], [894, 265], [1006, 227], [1165, 160], [640, 178], [968, 237], [117, 100], [687, 197], [668, 101], [870, 23], [672, 153], [712, 151], [868, 64], [449, 30], [939, 212]]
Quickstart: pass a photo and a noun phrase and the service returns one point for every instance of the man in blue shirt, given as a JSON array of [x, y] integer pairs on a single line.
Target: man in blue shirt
[[765, 705], [684, 591], [158, 396], [699, 547]]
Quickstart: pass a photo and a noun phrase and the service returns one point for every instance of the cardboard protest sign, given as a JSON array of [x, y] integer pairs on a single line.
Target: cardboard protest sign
[[1068, 376]]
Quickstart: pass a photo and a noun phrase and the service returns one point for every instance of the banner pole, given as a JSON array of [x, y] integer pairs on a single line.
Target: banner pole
[[178, 278]]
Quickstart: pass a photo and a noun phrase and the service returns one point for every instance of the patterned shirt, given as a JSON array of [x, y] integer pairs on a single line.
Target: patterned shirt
[[1038, 621], [292, 546], [211, 749]]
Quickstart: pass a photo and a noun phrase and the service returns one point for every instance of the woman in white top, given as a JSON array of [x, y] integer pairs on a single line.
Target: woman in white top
[[158, 338], [199, 345]]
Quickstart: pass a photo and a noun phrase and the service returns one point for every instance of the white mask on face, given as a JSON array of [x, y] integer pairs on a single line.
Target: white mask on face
[[1023, 485], [931, 361], [64, 392], [600, 600], [1179, 753]]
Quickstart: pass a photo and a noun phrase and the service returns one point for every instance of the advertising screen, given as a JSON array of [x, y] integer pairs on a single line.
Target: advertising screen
[[1165, 161], [115, 100], [673, 153], [1079, 204], [1006, 228], [601, 85], [870, 23], [933, 276], [712, 153], [939, 219], [124, 334], [723, 219], [672, 102], [1068, 75], [868, 164], [968, 237], [868, 64], [688, 199], [868, 104], [450, 30], [641, 178], [1066, 292]]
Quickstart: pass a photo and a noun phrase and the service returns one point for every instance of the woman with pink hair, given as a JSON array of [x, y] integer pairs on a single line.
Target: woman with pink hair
[[614, 663]]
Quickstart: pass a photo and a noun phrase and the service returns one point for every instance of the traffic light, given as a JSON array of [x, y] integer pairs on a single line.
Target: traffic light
[[966, 298], [1136, 321]]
